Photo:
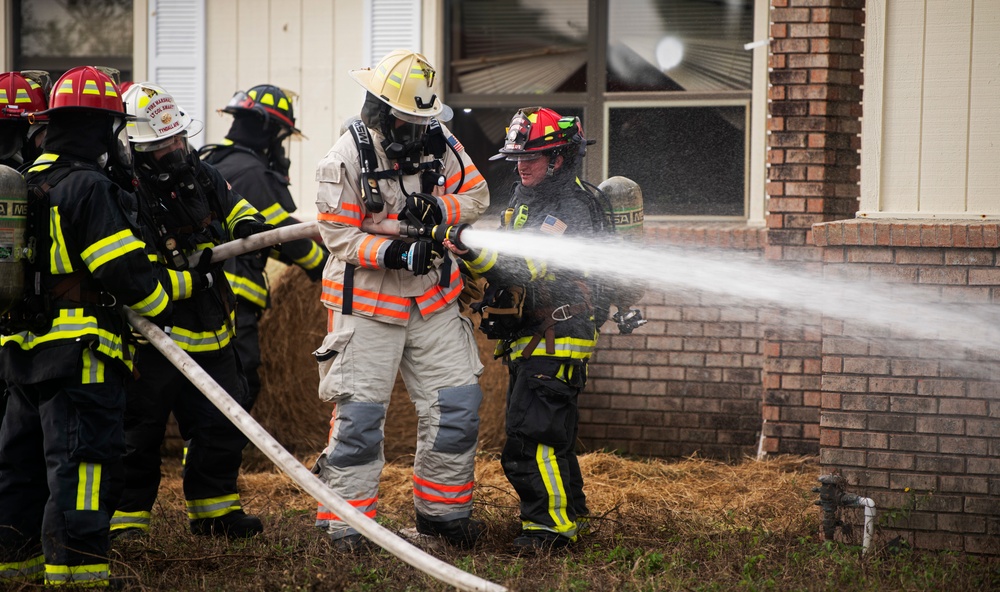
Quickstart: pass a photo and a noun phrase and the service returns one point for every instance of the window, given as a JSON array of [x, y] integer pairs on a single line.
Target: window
[[56, 35], [673, 109]]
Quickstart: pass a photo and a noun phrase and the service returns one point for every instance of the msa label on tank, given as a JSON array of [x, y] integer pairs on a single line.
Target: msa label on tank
[[626, 218]]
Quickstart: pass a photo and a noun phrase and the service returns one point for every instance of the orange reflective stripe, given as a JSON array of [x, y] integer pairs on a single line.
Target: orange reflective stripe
[[368, 251], [452, 209], [349, 220], [323, 514], [367, 301], [469, 172], [470, 181], [451, 488], [435, 298]]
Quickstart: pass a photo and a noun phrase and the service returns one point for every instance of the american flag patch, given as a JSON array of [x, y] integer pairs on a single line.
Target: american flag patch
[[553, 225], [455, 143]]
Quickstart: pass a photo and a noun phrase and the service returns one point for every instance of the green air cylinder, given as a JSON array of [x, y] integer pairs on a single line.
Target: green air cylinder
[[13, 221], [625, 196]]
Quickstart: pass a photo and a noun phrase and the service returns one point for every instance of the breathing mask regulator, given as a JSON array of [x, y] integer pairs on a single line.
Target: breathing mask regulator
[[117, 161], [174, 174]]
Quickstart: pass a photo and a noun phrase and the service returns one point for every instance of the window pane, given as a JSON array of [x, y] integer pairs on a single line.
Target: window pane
[[672, 45], [689, 161], [56, 35], [517, 47], [482, 132]]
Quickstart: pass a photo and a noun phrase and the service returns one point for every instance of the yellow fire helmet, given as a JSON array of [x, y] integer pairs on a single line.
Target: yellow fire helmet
[[407, 82], [158, 117]]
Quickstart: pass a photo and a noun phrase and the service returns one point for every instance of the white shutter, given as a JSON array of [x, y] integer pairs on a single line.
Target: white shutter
[[395, 24], [177, 53]]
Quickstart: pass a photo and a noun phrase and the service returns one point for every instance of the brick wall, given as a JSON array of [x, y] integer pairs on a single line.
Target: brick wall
[[689, 381], [909, 422], [813, 125]]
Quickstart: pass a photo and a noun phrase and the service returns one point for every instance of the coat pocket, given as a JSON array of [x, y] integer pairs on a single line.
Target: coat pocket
[[336, 366]]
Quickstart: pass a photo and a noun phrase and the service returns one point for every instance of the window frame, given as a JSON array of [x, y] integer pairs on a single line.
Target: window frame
[[595, 105]]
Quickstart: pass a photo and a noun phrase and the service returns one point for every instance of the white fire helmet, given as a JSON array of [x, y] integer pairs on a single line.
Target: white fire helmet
[[158, 117]]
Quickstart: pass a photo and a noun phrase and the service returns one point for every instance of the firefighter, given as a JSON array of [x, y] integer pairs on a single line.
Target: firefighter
[[62, 441], [20, 139], [22, 129], [184, 206], [253, 158], [544, 319], [393, 302]]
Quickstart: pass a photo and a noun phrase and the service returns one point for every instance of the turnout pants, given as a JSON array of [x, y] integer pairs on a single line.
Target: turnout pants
[[439, 361], [214, 445], [60, 478], [247, 343], [539, 456]]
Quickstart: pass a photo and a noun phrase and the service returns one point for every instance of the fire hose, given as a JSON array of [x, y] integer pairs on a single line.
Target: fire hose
[[275, 451]]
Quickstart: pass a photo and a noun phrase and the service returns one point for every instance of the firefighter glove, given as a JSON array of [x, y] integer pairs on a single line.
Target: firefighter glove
[[417, 257], [423, 210], [250, 227]]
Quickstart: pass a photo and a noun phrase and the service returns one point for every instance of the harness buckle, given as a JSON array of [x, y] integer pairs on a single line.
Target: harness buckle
[[106, 300], [562, 313]]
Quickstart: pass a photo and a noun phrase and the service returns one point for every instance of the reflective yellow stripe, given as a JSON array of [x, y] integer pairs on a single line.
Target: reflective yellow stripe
[[484, 262], [92, 575], [93, 368], [110, 247], [565, 347], [275, 214], [202, 341], [30, 569], [312, 259], [213, 507], [180, 284], [241, 211], [247, 290], [71, 324], [88, 487], [154, 304], [536, 270], [58, 253], [122, 520], [548, 470]]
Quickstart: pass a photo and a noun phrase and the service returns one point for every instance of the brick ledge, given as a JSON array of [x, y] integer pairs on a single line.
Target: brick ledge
[[729, 235], [969, 234]]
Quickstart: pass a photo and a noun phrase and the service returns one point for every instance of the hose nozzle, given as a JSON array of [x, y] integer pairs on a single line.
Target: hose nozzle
[[452, 233]]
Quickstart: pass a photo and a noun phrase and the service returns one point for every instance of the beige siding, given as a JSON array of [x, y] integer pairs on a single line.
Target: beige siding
[[305, 46], [931, 129]]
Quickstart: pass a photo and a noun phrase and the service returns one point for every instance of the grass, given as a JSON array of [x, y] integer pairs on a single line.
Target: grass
[[691, 525]]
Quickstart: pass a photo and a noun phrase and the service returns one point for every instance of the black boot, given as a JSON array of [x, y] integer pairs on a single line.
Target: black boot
[[234, 525], [462, 532]]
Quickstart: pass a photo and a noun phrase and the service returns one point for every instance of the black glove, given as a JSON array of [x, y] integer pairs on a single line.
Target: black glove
[[204, 273], [417, 257], [423, 210], [250, 227]]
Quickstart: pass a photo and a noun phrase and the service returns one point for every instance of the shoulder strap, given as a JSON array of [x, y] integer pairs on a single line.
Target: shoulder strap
[[213, 153], [369, 166]]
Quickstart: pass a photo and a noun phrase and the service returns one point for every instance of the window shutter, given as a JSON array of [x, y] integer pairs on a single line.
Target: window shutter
[[395, 24], [177, 53]]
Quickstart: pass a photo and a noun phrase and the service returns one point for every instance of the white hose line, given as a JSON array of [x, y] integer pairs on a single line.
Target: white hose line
[[269, 238], [256, 242], [383, 537]]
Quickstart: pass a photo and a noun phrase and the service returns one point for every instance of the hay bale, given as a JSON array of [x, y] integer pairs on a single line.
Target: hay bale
[[288, 406]]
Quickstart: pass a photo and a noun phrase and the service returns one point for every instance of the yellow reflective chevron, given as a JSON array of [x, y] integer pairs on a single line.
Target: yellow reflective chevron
[[154, 304], [72, 324], [484, 262], [59, 261], [181, 285], [548, 470], [93, 368]]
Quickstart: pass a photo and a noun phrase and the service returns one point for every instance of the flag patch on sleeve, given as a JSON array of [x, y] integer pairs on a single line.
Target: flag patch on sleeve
[[455, 143], [553, 225]]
